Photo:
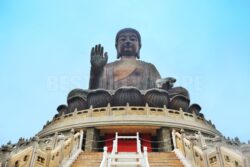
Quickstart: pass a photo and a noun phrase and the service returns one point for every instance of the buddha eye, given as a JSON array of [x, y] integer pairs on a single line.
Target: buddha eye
[[133, 38], [122, 39]]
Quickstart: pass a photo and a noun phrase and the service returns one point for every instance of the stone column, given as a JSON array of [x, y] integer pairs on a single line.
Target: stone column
[[5, 156], [245, 148], [164, 138], [34, 152], [48, 152], [92, 135]]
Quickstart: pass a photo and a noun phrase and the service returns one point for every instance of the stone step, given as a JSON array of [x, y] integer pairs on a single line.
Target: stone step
[[164, 160], [168, 159], [86, 162], [93, 159], [169, 163], [162, 164], [165, 165], [125, 163], [88, 159]]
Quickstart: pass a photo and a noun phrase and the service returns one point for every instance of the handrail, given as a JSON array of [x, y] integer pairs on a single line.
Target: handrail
[[138, 143], [105, 157], [145, 156], [198, 155], [231, 157], [182, 158], [19, 155], [177, 151], [146, 111], [75, 151], [174, 138]]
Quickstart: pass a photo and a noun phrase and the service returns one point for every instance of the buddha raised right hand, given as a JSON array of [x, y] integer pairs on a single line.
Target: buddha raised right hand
[[98, 57]]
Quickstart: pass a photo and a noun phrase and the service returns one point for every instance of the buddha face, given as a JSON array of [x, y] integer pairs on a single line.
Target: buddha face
[[128, 44]]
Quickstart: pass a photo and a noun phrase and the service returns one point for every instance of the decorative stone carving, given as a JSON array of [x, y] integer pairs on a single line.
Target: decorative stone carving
[[35, 138], [8, 147], [21, 141]]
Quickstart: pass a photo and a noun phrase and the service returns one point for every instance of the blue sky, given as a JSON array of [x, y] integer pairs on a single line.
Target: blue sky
[[45, 47]]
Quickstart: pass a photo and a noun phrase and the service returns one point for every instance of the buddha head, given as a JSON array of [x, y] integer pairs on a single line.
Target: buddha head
[[128, 43]]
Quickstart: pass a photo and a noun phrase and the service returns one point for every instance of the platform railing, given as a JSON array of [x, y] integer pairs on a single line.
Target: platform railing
[[194, 152], [90, 114], [76, 150], [61, 154], [104, 161]]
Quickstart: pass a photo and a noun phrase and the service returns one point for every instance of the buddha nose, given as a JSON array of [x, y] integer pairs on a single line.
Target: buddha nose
[[127, 43]]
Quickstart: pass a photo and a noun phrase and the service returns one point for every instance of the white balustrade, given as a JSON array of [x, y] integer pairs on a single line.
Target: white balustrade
[[75, 152], [132, 158]]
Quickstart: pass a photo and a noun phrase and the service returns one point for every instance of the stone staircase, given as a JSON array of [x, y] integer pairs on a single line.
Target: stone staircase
[[168, 159], [88, 159], [93, 159]]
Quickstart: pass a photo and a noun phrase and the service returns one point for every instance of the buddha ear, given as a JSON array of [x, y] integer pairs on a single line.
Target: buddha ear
[[138, 55], [118, 55]]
